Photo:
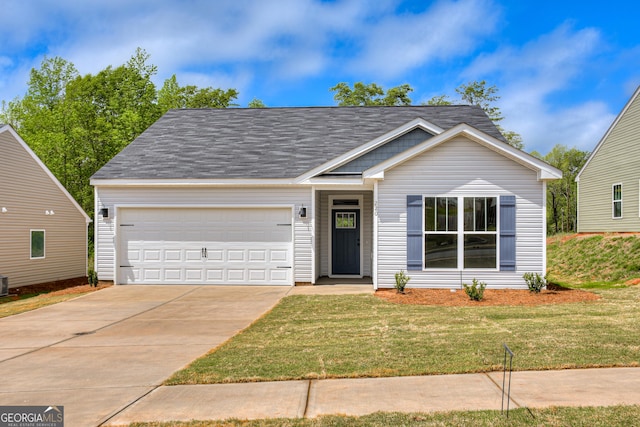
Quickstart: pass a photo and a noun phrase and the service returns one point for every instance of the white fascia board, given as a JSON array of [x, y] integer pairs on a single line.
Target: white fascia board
[[544, 170], [365, 148], [608, 132], [333, 181], [12, 132], [190, 182]]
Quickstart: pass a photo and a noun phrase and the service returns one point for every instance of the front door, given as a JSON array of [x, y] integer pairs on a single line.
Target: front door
[[345, 242]]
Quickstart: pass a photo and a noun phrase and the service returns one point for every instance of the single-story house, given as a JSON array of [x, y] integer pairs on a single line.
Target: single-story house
[[43, 230], [609, 181], [284, 196]]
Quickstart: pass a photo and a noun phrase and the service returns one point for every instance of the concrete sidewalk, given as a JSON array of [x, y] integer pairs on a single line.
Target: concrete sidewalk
[[311, 398]]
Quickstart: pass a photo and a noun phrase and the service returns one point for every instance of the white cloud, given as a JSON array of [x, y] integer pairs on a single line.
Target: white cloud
[[532, 79], [399, 43]]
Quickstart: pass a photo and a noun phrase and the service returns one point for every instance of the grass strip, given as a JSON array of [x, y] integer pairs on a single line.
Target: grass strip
[[558, 416], [31, 303]]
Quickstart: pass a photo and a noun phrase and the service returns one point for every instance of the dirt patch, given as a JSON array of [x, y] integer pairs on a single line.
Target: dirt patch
[[77, 285], [552, 295]]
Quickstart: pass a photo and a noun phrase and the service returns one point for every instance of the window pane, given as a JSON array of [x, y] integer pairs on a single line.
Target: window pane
[[452, 221], [617, 192], [492, 214], [441, 251], [430, 213], [617, 209], [481, 214], [468, 214], [345, 220], [441, 212], [480, 251], [37, 244]]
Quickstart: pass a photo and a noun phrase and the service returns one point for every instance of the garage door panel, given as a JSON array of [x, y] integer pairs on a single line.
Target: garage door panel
[[242, 246]]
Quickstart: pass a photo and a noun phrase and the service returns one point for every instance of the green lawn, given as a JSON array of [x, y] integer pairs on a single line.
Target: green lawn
[[363, 336], [585, 416]]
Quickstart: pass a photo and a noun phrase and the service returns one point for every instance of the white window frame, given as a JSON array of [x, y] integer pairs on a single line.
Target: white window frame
[[461, 233], [44, 244], [614, 201]]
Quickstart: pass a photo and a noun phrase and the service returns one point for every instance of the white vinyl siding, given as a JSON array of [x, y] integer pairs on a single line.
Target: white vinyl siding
[[121, 197], [614, 161], [466, 169]]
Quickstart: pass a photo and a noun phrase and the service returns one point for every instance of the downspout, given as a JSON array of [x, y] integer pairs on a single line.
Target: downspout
[[544, 228], [374, 272]]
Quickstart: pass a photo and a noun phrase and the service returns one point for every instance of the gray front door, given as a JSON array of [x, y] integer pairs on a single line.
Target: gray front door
[[345, 242]]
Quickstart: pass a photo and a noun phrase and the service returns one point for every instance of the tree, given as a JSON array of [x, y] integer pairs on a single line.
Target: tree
[[477, 93], [562, 194], [370, 94], [44, 118], [439, 100], [76, 124], [256, 103], [172, 95]]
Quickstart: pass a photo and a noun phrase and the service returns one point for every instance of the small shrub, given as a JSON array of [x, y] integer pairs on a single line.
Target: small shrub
[[475, 291], [401, 281], [535, 282], [93, 278]]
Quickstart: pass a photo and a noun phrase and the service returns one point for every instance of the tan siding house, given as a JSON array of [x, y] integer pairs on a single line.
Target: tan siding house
[[43, 231], [608, 184]]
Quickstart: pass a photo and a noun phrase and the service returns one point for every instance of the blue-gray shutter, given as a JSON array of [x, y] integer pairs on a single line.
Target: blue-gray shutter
[[414, 233], [507, 233]]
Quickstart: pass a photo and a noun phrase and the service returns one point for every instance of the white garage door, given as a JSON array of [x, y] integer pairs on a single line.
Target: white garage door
[[205, 246]]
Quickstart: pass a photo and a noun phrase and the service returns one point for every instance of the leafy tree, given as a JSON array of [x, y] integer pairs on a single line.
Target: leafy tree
[[439, 100], [76, 124], [256, 103], [562, 194], [172, 95], [371, 94], [478, 93], [45, 119]]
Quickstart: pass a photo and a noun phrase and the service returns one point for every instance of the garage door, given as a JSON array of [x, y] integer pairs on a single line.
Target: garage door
[[205, 246]]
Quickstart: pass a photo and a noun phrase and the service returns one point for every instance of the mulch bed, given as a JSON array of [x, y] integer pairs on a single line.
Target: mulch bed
[[77, 285], [445, 297]]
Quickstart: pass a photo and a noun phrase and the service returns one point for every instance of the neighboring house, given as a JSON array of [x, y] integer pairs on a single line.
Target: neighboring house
[[609, 181], [43, 231], [284, 196]]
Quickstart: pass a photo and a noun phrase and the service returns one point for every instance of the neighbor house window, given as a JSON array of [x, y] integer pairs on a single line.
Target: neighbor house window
[[37, 244], [616, 197], [617, 200], [460, 238]]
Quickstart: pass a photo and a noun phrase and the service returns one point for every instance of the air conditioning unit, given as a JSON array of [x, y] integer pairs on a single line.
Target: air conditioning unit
[[4, 286]]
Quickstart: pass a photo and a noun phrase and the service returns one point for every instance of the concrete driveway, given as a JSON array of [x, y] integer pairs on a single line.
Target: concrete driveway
[[97, 354]]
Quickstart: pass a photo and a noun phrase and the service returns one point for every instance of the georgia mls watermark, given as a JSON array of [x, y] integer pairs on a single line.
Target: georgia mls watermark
[[31, 416]]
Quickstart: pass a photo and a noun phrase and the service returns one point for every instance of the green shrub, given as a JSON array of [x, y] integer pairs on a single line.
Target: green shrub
[[401, 281], [535, 282], [475, 291], [93, 278]]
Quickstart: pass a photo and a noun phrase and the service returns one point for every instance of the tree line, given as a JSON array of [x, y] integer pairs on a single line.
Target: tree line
[[75, 124]]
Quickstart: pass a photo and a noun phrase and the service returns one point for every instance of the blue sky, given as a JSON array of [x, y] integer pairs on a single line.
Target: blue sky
[[564, 69]]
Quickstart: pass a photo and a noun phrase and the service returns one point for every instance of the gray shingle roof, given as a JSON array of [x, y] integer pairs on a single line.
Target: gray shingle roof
[[267, 142]]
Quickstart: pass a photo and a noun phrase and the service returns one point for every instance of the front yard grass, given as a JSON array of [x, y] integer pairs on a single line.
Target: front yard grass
[[582, 416], [362, 336]]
